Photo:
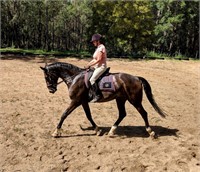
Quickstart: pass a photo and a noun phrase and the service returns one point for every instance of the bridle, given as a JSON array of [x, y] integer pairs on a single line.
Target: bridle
[[54, 85], [60, 82], [63, 80], [68, 80]]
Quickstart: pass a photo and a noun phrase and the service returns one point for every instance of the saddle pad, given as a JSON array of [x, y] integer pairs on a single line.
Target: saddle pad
[[107, 83]]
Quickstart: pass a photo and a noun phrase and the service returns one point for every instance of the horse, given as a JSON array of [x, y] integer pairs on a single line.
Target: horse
[[127, 88]]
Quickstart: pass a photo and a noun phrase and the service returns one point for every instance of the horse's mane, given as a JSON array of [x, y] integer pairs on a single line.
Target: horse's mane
[[65, 66]]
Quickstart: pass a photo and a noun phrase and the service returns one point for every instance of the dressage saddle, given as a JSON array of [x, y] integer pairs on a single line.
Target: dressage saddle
[[89, 73], [103, 83]]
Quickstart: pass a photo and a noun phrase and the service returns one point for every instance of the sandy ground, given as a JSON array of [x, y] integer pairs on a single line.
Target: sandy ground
[[29, 114]]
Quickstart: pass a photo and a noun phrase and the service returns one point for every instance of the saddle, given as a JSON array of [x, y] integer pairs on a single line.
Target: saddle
[[105, 81]]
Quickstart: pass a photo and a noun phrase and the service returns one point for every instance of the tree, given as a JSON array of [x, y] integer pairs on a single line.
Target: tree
[[127, 24], [176, 29], [129, 27]]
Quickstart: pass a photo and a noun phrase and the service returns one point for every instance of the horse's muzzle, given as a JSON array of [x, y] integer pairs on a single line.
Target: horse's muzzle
[[52, 90]]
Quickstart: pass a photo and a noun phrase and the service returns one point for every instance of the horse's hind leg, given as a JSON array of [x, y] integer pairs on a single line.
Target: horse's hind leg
[[144, 115], [122, 114]]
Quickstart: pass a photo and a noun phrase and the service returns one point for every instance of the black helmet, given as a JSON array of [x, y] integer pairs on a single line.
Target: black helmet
[[96, 37]]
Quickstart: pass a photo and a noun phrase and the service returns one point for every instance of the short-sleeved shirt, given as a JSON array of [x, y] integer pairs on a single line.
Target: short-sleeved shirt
[[101, 48]]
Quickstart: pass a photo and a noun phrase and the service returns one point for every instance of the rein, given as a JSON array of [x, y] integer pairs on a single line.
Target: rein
[[68, 79], [71, 79], [57, 82], [60, 82]]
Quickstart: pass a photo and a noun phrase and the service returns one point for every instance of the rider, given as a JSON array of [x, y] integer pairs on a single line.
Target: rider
[[99, 63]]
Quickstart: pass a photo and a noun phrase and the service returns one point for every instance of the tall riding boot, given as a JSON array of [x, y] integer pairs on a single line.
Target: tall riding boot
[[96, 93]]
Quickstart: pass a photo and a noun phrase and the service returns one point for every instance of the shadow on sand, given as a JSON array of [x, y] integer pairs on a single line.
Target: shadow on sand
[[128, 131]]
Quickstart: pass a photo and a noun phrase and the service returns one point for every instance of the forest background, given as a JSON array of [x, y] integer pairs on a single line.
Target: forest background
[[130, 28]]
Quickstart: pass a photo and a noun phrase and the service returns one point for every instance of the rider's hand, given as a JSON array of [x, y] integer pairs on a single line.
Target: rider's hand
[[86, 67]]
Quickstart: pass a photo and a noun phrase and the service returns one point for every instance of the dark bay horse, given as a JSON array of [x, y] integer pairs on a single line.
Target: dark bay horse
[[127, 87]]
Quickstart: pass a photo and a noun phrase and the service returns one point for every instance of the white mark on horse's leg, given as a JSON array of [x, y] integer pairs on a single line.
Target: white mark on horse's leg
[[151, 133], [57, 133], [149, 130], [97, 131], [112, 130]]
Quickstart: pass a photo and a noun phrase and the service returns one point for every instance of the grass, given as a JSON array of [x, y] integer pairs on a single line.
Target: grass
[[153, 54], [84, 54], [45, 53], [156, 55]]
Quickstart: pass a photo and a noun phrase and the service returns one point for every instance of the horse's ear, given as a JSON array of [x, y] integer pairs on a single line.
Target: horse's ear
[[43, 68]]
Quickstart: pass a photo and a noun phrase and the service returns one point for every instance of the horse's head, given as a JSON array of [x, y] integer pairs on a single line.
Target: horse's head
[[51, 79]]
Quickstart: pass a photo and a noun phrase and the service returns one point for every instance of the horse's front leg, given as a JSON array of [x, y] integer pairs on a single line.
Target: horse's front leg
[[73, 105], [89, 117]]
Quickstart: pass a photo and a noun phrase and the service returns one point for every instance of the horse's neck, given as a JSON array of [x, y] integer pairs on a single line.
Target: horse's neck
[[65, 71], [68, 77]]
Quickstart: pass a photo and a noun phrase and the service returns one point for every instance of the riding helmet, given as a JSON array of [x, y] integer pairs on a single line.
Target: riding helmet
[[96, 37]]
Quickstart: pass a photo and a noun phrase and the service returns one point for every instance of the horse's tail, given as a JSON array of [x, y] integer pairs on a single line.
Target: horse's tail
[[147, 89]]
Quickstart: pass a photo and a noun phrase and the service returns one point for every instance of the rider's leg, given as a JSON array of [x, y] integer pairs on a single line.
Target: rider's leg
[[95, 89], [96, 93]]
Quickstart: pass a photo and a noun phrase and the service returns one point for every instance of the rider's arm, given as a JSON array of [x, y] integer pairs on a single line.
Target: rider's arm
[[98, 57]]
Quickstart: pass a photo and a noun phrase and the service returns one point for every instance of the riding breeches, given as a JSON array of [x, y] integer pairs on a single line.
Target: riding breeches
[[97, 73]]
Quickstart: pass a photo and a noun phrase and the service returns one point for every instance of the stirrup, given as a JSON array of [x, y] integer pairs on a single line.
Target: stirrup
[[96, 99]]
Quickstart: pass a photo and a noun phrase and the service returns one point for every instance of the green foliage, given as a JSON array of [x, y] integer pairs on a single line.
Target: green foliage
[[45, 24], [131, 28], [21, 51], [128, 24], [176, 24]]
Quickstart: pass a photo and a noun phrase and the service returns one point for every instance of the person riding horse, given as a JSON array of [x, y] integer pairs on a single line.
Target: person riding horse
[[99, 63], [127, 88]]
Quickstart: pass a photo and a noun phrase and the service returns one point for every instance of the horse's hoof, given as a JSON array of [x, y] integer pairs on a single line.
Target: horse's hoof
[[97, 131], [57, 133], [153, 135], [148, 130], [111, 135], [112, 131]]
